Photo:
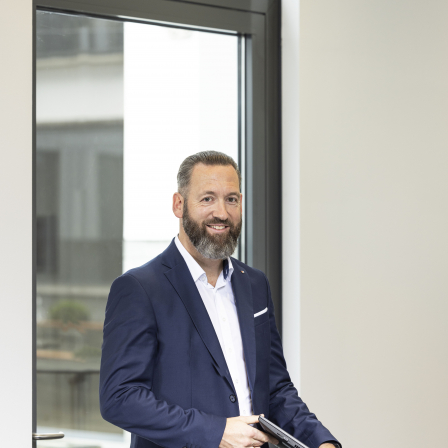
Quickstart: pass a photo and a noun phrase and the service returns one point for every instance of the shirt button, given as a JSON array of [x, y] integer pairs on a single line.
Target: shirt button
[[236, 381], [224, 319], [232, 398]]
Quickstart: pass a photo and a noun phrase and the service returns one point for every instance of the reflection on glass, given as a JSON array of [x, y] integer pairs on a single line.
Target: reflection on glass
[[119, 106]]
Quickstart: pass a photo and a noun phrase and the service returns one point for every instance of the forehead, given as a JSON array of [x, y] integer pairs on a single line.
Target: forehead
[[214, 176]]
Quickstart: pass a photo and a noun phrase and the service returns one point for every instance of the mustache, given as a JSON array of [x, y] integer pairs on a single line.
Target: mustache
[[217, 221]]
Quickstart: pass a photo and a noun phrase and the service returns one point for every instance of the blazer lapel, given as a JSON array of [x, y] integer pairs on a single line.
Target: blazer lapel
[[180, 278], [242, 291]]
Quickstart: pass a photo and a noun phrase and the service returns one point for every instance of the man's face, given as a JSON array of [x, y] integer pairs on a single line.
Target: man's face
[[212, 213]]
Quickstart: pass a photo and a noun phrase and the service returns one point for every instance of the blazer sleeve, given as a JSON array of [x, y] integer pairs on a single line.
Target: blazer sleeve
[[129, 354], [286, 409]]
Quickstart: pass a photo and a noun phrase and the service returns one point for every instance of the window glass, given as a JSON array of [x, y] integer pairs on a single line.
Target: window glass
[[181, 97], [119, 106]]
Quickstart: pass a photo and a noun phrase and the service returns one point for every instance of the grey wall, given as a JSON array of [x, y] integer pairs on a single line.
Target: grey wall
[[374, 219]]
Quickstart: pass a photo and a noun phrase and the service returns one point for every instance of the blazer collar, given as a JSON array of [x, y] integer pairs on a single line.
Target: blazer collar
[[242, 290], [180, 278], [171, 257]]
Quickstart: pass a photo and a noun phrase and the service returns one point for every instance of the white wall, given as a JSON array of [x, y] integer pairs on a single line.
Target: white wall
[[374, 219], [16, 222], [291, 188]]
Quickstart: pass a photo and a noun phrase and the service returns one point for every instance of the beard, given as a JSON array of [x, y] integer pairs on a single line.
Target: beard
[[216, 247]]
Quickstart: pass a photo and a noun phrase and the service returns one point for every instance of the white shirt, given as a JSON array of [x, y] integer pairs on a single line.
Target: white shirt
[[220, 304]]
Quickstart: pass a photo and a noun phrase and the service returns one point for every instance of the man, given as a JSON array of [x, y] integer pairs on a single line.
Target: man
[[191, 352]]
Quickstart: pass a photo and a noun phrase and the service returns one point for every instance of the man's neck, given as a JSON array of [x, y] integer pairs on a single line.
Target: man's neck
[[212, 268]]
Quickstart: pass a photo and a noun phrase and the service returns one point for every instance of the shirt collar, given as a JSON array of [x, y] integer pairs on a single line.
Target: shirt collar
[[196, 271]]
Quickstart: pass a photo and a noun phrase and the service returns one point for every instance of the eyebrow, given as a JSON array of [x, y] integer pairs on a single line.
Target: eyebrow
[[235, 193]]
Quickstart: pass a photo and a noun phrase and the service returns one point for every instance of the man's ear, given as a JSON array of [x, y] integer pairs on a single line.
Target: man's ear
[[178, 205]]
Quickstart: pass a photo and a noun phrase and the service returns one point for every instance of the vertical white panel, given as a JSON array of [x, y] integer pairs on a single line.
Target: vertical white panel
[[16, 222], [291, 187]]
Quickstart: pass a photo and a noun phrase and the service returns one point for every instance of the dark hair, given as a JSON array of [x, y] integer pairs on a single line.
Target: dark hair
[[207, 158]]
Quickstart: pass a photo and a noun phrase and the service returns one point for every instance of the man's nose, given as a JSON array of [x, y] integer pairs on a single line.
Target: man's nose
[[220, 210]]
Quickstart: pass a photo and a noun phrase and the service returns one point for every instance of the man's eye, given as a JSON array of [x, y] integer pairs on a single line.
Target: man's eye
[[207, 199], [234, 200]]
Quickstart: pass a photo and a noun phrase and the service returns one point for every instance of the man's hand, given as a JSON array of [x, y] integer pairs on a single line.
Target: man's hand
[[239, 433], [327, 445]]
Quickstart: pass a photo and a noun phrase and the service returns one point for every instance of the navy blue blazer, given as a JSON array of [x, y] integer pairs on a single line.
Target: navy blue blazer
[[163, 374]]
